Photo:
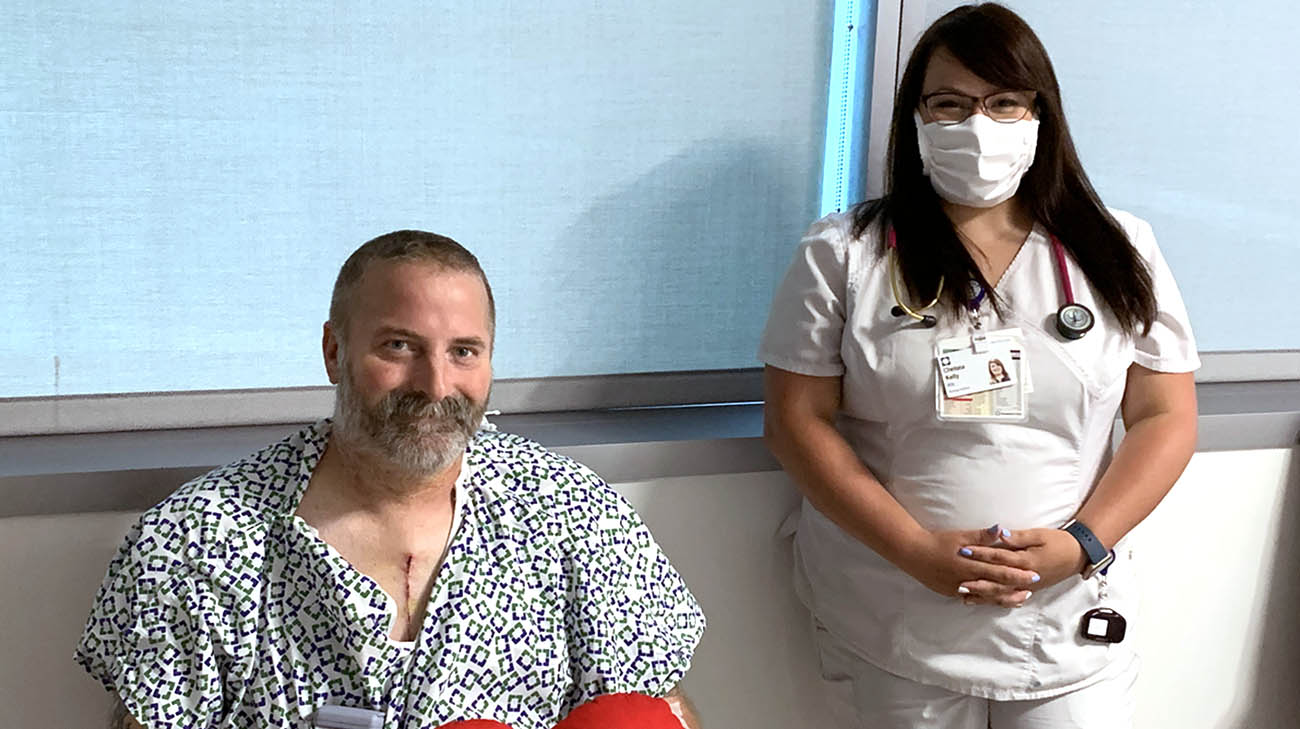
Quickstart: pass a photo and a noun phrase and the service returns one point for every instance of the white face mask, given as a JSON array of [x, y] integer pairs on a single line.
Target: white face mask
[[978, 162]]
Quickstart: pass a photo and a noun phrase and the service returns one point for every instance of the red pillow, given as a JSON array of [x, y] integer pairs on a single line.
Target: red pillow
[[622, 711], [615, 711]]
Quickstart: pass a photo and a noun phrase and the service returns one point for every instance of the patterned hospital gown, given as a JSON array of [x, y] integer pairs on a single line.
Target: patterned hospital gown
[[224, 609]]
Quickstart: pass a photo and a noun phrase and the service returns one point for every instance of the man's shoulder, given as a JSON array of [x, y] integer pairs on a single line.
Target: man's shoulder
[[245, 494], [517, 453], [527, 473]]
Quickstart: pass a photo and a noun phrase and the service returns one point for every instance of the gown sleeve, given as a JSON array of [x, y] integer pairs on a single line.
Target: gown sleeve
[[633, 625], [150, 638]]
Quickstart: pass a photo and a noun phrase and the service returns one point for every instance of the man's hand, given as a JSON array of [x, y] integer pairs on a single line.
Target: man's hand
[[682, 708], [123, 719], [946, 563], [1052, 553]]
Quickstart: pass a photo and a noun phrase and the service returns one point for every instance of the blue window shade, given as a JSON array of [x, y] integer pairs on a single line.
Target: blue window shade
[[181, 181], [1174, 108]]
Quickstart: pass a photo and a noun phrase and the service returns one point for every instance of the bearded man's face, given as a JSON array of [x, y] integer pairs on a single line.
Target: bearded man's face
[[415, 371]]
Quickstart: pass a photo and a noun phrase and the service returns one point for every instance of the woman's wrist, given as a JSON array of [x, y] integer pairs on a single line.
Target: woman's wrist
[[1101, 528], [910, 548], [1093, 553]]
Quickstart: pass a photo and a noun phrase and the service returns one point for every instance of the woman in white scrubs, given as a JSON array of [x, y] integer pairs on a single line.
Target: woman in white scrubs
[[962, 542]]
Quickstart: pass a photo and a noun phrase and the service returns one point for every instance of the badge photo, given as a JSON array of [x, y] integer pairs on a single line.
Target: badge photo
[[966, 372]]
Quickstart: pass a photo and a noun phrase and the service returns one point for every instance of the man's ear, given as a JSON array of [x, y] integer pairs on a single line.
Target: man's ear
[[330, 349]]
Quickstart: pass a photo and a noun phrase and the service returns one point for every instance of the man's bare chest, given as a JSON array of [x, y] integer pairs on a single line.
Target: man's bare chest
[[404, 566]]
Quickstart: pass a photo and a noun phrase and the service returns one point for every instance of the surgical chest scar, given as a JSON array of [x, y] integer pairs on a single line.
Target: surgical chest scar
[[407, 598]]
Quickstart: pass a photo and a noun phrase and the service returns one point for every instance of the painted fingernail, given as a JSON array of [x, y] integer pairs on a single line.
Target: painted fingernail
[[967, 601], [963, 590], [993, 529], [965, 552], [1006, 533], [1034, 577]]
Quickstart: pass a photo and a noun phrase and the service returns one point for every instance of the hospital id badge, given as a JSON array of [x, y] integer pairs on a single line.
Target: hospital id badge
[[988, 385]]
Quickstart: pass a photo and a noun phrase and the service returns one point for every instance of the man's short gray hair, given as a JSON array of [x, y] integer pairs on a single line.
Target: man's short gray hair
[[414, 246]]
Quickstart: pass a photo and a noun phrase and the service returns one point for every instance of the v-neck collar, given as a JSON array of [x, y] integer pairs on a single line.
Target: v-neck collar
[[1035, 235], [375, 624], [978, 314]]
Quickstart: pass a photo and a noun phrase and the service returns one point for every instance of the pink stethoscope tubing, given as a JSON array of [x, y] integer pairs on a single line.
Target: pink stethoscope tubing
[[1073, 319]]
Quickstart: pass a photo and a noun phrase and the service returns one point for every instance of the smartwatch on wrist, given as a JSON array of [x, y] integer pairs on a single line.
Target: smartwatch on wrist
[[1099, 558]]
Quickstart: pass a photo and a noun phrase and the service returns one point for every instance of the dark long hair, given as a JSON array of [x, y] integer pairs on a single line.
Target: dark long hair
[[999, 47]]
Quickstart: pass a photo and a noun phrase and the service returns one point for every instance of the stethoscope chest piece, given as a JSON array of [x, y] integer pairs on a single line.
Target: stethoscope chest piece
[[928, 321], [1074, 320]]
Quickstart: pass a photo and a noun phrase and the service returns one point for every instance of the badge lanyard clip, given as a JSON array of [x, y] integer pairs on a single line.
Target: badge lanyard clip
[[979, 341], [1102, 624]]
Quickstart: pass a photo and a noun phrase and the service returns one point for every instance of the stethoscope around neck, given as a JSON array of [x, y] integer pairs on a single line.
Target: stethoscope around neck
[[1073, 320]]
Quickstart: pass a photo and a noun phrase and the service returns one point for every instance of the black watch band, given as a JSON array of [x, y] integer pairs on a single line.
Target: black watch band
[[1099, 558]]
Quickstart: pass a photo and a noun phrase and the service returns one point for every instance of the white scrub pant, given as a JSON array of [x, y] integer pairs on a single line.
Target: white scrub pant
[[861, 696]]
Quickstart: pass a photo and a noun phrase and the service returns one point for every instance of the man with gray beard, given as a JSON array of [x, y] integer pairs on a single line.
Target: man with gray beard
[[401, 563]]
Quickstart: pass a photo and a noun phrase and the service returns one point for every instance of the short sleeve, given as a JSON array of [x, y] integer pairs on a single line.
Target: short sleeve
[[1169, 346], [146, 638], [807, 318], [633, 625]]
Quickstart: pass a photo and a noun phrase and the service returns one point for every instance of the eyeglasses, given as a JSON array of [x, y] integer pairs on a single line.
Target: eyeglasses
[[946, 107]]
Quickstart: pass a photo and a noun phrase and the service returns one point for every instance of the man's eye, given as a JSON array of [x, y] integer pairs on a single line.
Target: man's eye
[[463, 352], [398, 345]]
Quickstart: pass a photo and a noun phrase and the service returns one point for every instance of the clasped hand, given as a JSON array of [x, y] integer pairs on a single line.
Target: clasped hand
[[995, 566]]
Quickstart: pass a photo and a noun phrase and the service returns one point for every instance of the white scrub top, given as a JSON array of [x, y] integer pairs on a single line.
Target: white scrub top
[[831, 317]]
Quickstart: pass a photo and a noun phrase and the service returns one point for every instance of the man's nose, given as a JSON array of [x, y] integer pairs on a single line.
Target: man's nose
[[435, 378]]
